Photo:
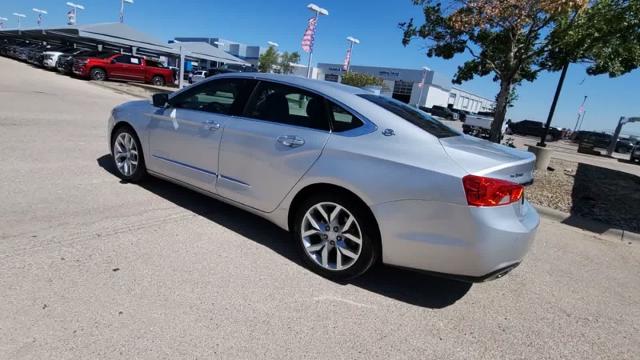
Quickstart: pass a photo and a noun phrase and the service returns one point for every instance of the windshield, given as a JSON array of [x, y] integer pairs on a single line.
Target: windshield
[[418, 118]]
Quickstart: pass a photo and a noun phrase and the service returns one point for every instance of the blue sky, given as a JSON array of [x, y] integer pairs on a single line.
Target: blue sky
[[374, 22]]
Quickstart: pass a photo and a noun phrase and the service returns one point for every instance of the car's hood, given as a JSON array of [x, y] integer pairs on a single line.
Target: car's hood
[[481, 157]]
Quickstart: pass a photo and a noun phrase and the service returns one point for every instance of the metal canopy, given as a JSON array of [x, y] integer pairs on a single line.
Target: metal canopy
[[204, 51], [118, 36], [110, 35]]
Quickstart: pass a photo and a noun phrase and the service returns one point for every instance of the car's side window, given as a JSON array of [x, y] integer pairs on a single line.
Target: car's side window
[[135, 60], [342, 120], [288, 105], [224, 96], [123, 59]]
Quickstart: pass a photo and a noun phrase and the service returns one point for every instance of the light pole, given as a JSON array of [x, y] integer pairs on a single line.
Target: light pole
[[319, 11], [614, 140], [19, 16], [2, 20], [351, 41], [580, 112], [74, 11], [122, 8], [421, 85], [40, 15]]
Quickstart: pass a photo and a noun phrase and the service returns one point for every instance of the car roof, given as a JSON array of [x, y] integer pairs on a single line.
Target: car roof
[[329, 88]]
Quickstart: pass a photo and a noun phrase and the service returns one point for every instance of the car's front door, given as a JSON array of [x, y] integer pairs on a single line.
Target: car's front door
[[184, 138], [118, 67], [265, 152]]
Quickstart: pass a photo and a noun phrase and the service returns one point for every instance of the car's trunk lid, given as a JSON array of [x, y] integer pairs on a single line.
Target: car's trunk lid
[[484, 158]]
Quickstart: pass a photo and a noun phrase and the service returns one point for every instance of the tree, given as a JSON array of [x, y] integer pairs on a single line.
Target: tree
[[509, 39], [360, 80], [268, 59], [286, 59]]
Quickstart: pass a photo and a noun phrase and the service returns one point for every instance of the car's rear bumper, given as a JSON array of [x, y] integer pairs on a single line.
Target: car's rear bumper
[[469, 243]]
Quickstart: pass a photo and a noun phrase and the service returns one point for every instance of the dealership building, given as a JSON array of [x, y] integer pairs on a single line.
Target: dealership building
[[404, 85], [248, 53]]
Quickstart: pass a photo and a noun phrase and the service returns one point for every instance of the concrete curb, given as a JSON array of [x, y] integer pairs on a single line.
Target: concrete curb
[[610, 233]]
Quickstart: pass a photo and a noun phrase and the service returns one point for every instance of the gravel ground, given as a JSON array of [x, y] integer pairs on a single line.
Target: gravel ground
[[593, 192], [553, 188]]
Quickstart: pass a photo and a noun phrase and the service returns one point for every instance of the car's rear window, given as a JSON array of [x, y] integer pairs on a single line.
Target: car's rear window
[[418, 118]]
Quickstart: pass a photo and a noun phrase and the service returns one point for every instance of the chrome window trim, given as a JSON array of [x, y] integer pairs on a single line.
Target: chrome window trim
[[368, 126]]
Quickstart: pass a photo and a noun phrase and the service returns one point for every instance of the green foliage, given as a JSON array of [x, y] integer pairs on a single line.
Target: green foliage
[[268, 59], [514, 40], [606, 37], [286, 59], [360, 80]]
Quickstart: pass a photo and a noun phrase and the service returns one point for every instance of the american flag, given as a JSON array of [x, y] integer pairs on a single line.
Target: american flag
[[309, 35], [347, 60], [39, 19], [1, 24], [71, 16]]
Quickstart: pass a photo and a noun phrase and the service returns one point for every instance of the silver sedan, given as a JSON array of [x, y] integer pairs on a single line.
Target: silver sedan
[[357, 178]]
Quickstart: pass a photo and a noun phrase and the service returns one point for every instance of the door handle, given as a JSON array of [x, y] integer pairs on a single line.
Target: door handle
[[291, 141], [211, 125]]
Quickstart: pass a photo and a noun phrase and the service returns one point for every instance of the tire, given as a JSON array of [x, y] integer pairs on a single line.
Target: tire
[[127, 155], [336, 254], [158, 80], [98, 74]]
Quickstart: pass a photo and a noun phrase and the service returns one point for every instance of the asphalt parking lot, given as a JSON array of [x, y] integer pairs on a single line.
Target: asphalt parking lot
[[92, 268]]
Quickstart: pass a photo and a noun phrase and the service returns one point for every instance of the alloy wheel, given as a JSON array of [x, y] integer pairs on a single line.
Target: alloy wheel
[[331, 236], [125, 153]]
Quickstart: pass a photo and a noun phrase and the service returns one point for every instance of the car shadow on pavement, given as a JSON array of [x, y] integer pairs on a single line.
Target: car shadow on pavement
[[410, 287], [603, 198]]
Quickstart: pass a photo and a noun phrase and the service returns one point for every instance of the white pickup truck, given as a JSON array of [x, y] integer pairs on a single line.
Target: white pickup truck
[[479, 125]]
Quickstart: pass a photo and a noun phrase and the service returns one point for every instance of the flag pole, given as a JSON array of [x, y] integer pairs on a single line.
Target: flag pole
[[311, 52]]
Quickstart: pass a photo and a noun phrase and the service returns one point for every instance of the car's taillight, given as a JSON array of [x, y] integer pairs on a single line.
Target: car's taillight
[[484, 191]]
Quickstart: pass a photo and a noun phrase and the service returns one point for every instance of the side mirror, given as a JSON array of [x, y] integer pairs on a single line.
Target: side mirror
[[160, 100], [113, 61]]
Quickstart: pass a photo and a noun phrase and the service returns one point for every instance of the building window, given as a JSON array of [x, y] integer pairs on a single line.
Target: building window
[[403, 87]]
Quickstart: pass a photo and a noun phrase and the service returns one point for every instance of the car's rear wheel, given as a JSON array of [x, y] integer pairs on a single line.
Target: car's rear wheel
[[98, 74], [127, 155], [157, 80], [336, 236]]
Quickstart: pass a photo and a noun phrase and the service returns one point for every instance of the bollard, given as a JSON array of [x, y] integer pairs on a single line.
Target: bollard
[[543, 156]]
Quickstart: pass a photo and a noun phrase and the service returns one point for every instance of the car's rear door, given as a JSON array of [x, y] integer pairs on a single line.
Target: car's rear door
[[184, 138], [265, 152]]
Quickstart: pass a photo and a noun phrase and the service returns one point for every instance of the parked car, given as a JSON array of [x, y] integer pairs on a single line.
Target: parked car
[[602, 140], [462, 114], [231, 68], [64, 64], [440, 111], [635, 153], [50, 57], [355, 177], [534, 128], [122, 67], [478, 125], [198, 76]]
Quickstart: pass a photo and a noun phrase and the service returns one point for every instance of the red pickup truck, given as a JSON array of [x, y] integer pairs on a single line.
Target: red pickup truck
[[122, 67]]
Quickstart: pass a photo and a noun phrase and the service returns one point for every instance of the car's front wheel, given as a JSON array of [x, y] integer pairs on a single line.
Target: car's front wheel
[[157, 80], [98, 74], [127, 155], [336, 235]]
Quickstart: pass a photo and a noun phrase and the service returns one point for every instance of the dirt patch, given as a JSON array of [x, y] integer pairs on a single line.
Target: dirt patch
[[593, 192]]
